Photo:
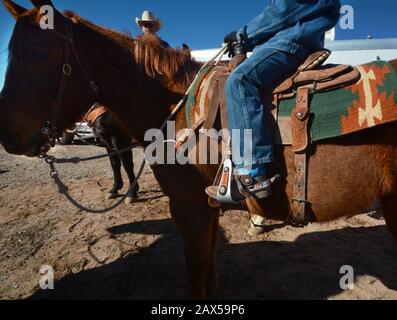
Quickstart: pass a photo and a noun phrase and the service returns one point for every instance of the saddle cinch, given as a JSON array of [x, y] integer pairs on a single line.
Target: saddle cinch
[[311, 77]]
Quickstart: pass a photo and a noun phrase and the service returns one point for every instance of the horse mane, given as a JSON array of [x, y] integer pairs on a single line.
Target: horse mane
[[169, 65], [149, 54], [122, 38]]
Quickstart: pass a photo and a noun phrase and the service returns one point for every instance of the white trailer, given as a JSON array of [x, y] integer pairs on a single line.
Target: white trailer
[[354, 52]]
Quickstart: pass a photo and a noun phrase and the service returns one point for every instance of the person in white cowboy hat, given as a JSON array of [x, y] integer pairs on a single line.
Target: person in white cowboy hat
[[149, 24]]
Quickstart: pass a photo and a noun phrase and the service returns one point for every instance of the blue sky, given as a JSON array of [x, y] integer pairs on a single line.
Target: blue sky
[[201, 24]]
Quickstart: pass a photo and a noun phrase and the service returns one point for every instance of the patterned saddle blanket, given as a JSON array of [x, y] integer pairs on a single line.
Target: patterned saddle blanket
[[370, 101]]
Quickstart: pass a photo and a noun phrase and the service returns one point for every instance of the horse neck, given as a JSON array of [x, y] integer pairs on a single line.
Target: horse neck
[[140, 101]]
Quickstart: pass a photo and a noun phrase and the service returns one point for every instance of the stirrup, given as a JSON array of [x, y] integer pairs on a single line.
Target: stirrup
[[233, 189], [223, 191]]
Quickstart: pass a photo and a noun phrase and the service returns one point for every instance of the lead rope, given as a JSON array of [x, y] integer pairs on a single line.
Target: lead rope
[[63, 189]]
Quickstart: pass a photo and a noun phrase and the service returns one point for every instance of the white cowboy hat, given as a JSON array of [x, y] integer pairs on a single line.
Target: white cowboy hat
[[148, 16]]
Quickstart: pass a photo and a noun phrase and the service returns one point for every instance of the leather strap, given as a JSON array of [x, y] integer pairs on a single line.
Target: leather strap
[[50, 129], [299, 200], [222, 99], [300, 141], [217, 103], [213, 107], [275, 107], [67, 69], [95, 114], [300, 121]]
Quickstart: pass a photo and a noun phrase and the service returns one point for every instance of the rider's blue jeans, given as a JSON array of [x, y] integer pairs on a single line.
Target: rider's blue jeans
[[246, 110]]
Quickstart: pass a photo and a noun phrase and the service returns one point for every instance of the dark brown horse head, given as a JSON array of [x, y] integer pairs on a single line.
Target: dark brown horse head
[[137, 78], [33, 76]]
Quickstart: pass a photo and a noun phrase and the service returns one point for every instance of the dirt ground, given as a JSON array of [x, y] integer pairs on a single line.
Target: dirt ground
[[134, 252]]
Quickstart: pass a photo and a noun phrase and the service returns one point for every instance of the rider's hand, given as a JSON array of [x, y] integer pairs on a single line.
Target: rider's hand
[[230, 38]]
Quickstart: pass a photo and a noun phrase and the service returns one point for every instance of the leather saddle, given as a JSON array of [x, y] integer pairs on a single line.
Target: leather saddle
[[94, 114], [314, 75], [311, 77]]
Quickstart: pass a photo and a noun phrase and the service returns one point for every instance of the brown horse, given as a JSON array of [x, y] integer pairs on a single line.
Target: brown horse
[[346, 175]]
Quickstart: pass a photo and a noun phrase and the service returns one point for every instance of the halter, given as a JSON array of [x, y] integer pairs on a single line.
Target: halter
[[50, 129]]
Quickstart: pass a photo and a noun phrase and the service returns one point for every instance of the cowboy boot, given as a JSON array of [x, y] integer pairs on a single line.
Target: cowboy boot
[[244, 187]]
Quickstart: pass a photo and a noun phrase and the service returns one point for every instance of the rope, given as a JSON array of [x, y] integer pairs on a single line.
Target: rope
[[63, 189]]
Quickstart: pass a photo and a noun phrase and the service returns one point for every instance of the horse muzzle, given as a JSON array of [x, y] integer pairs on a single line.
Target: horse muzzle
[[13, 138], [13, 146], [6, 139], [10, 145]]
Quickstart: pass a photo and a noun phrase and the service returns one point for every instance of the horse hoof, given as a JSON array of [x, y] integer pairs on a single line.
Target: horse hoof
[[111, 195], [257, 227], [130, 200]]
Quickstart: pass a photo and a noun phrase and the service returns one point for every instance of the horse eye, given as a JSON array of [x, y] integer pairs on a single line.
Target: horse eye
[[39, 56]]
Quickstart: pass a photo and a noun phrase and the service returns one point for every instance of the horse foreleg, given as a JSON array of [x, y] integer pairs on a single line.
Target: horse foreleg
[[101, 129], [389, 208], [128, 164], [198, 226], [120, 142], [118, 180]]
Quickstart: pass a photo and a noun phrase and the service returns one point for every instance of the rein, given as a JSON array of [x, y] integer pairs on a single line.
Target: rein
[[76, 160], [50, 130], [63, 189]]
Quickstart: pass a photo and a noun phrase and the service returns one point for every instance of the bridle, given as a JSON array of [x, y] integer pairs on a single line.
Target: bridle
[[50, 130]]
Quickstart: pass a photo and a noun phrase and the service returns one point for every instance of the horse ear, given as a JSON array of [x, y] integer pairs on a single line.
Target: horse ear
[[13, 8], [186, 50], [39, 3]]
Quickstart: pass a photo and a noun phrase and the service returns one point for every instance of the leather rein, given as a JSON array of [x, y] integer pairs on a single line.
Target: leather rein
[[50, 130]]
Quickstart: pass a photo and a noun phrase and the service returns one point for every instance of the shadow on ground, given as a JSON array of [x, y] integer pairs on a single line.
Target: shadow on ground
[[305, 269]]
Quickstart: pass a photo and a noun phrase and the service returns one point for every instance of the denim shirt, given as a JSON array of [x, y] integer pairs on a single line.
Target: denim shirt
[[293, 26]]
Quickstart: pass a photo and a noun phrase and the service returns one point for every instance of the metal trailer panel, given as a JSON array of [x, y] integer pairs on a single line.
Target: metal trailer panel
[[352, 52]]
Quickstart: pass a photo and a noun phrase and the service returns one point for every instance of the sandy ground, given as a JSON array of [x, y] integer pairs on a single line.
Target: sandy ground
[[134, 252]]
